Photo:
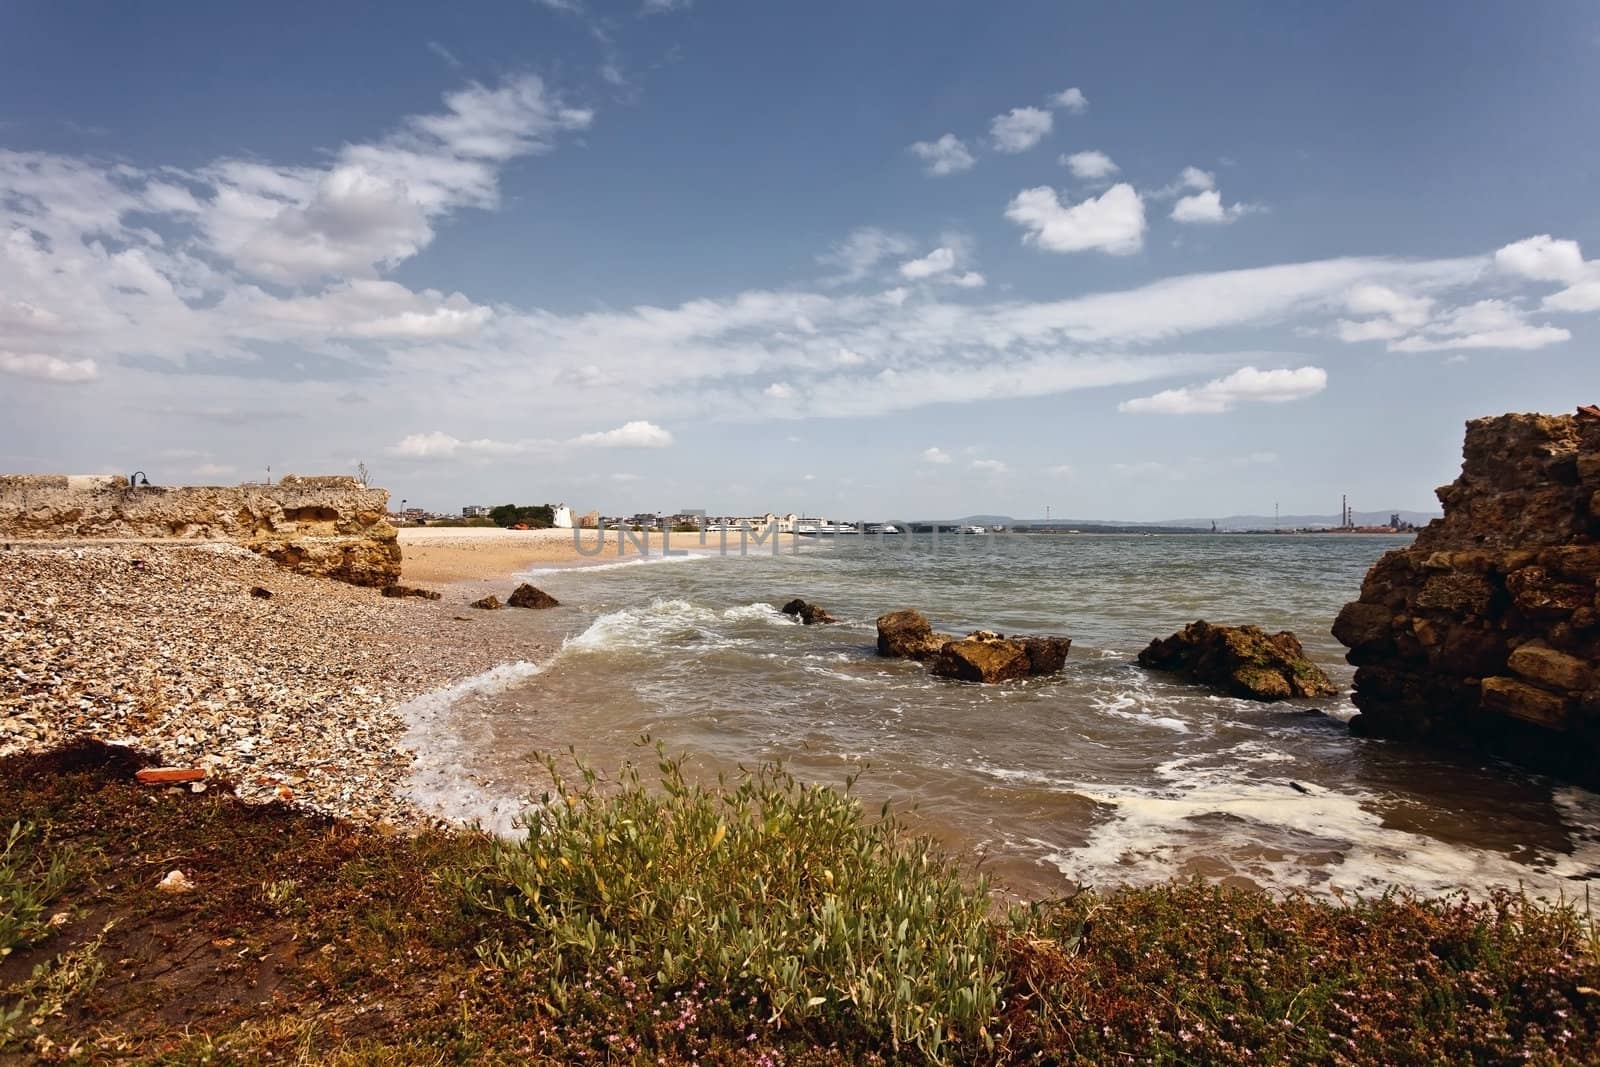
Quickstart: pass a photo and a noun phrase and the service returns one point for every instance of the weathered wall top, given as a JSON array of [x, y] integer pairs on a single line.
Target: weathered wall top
[[1486, 630], [319, 525]]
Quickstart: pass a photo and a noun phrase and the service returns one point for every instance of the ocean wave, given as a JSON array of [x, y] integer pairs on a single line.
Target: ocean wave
[[580, 567], [445, 742], [1216, 822]]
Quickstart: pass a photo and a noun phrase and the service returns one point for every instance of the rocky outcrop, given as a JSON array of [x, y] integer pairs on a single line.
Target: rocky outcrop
[[985, 656], [328, 526], [1486, 630], [808, 613], [398, 591], [907, 635], [526, 596], [488, 603], [1243, 661]]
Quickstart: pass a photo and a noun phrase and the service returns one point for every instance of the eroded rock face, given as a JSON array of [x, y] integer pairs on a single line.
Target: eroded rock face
[[807, 612], [908, 635], [985, 656], [1243, 661], [526, 596], [1486, 631], [399, 591], [332, 527]]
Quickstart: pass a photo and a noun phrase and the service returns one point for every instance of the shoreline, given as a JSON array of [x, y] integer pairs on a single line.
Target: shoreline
[[471, 557]]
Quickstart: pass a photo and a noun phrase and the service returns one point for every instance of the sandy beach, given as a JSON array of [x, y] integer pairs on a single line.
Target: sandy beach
[[483, 556]]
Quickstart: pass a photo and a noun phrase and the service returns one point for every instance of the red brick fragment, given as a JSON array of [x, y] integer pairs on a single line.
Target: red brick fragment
[[169, 775]]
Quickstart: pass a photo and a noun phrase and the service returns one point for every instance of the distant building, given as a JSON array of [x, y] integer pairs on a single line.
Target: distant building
[[563, 517], [591, 521], [475, 511]]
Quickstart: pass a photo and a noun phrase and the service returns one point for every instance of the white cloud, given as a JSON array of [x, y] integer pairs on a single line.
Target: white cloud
[[1060, 470], [1484, 324], [1396, 314], [935, 454], [848, 358], [48, 368], [989, 466], [1585, 296], [865, 248], [1112, 223], [625, 477], [1091, 165], [947, 155], [1246, 385], [1020, 129], [1207, 209], [440, 445], [637, 434], [779, 391], [375, 205], [661, 7], [969, 280], [936, 262], [214, 470], [1543, 259], [1072, 100]]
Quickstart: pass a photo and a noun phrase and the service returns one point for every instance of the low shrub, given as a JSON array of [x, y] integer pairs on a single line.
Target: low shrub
[[765, 899]]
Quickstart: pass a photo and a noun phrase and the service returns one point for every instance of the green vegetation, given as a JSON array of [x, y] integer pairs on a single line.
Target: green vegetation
[[535, 517], [758, 921]]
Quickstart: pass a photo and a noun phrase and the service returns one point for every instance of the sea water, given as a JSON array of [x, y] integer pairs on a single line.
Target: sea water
[[1104, 774]]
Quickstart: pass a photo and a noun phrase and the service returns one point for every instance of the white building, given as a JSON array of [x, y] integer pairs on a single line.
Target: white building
[[563, 517]]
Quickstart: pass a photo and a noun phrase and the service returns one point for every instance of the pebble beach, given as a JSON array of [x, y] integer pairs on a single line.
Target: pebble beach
[[288, 697]]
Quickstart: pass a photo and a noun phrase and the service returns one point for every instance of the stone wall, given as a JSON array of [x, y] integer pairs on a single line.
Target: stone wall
[[329, 526], [1486, 631]]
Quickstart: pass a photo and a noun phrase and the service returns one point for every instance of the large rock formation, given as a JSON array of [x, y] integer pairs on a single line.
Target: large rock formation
[[1244, 661], [329, 526], [1486, 630]]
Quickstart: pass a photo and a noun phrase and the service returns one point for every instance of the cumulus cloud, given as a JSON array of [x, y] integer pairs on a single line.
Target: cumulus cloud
[[440, 445], [935, 454], [969, 280], [1071, 100], [936, 262], [989, 466], [48, 368], [637, 434], [779, 391], [1112, 222], [1020, 129], [1244, 386], [947, 155], [1092, 165], [1207, 209], [1393, 314], [1585, 296], [1543, 259]]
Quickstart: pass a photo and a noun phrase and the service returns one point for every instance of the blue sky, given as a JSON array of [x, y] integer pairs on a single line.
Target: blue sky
[[859, 259]]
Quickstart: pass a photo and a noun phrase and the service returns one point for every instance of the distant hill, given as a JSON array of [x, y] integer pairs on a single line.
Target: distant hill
[[1225, 522]]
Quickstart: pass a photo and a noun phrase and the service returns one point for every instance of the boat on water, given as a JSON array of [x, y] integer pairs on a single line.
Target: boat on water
[[841, 529]]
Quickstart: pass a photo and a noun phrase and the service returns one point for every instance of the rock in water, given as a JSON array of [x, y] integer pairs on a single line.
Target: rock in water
[[488, 603], [810, 614], [398, 590], [526, 596], [985, 656], [907, 635], [1244, 661], [1485, 632], [982, 659]]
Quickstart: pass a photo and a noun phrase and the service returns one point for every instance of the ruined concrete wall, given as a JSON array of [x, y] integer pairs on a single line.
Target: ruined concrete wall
[[328, 526], [1486, 631]]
